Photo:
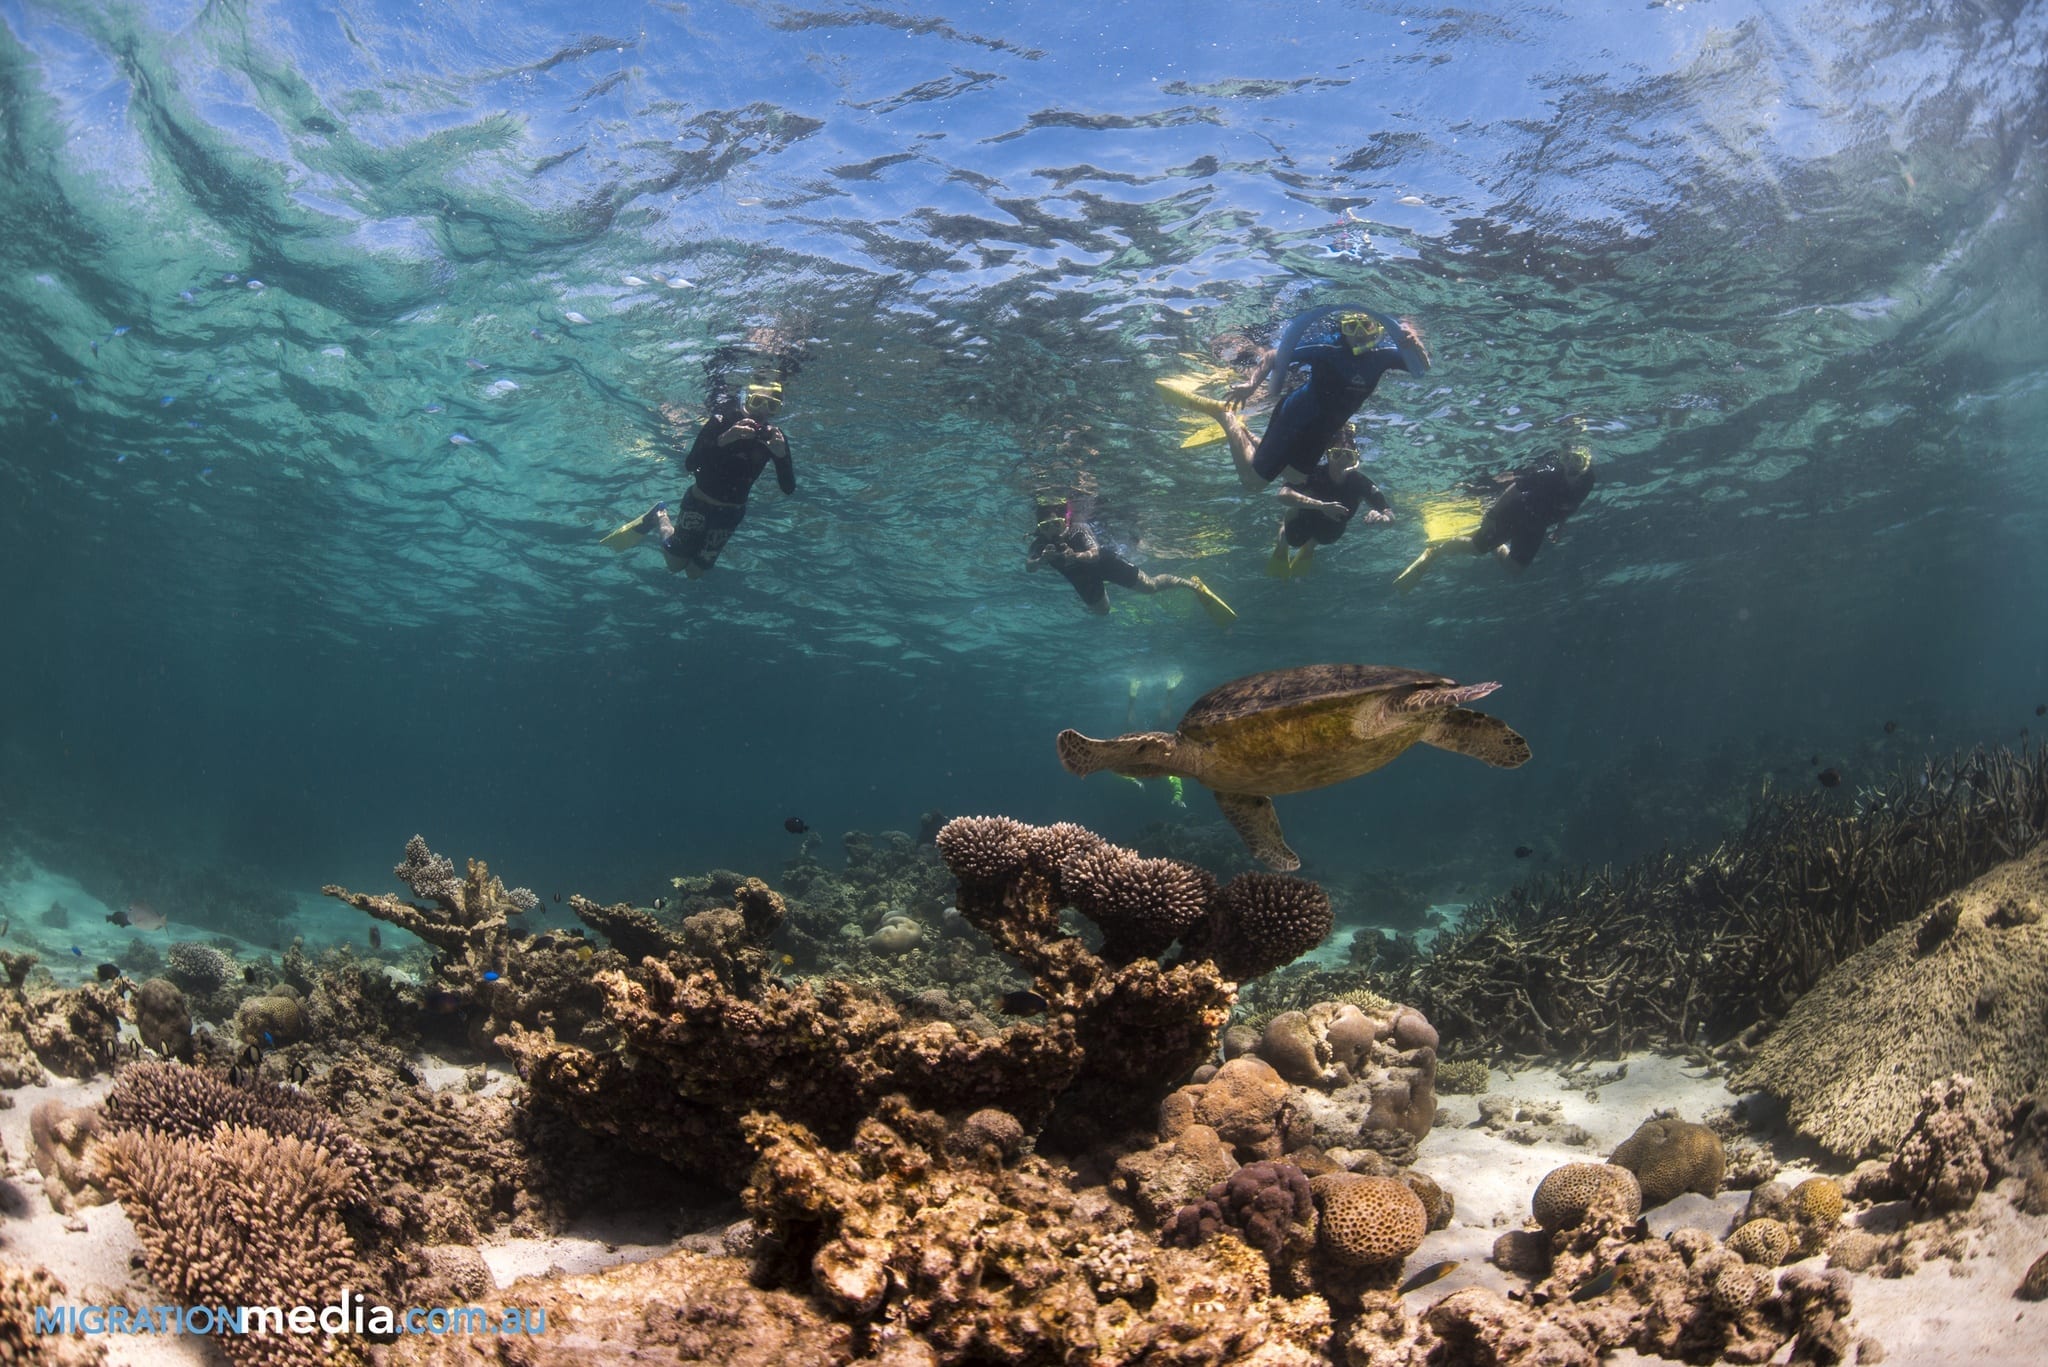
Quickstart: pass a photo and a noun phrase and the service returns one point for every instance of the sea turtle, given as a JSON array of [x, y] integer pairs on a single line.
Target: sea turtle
[[1289, 730]]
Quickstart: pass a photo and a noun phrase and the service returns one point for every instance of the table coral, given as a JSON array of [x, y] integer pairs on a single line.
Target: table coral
[[1963, 990]]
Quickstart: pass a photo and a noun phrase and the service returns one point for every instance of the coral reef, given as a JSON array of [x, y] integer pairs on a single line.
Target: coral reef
[[1466, 1077], [197, 968], [1670, 1156], [1566, 1194], [1698, 948], [1954, 1148], [1764, 1242], [1963, 990], [180, 1101], [1368, 1221], [23, 1291], [72, 1031], [469, 918], [243, 1217], [163, 1018], [59, 1136]]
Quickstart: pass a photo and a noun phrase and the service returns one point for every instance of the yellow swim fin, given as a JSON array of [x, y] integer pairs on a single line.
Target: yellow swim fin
[[1208, 434], [1219, 611], [1181, 390], [1408, 578], [1277, 564], [628, 534], [1304, 561], [1446, 517]]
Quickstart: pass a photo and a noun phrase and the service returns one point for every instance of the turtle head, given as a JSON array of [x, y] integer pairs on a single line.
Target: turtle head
[[1147, 754]]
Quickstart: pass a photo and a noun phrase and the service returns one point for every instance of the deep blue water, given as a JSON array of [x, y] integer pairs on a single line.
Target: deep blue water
[[1786, 259]]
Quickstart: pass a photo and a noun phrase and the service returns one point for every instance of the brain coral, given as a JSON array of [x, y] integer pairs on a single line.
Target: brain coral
[[1960, 992], [1762, 1242], [1670, 1156], [1368, 1221], [198, 968], [1818, 1199], [1563, 1197]]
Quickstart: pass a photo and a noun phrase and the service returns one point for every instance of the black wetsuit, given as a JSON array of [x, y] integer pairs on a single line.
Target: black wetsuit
[[1533, 499], [1304, 525], [716, 503], [1087, 576], [1339, 382]]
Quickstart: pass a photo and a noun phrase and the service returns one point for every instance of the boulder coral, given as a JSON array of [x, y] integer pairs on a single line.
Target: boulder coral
[[1669, 1157], [1566, 1194]]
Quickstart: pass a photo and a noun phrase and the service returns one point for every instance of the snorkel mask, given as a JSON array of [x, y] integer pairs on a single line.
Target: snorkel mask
[[763, 401], [1361, 331], [1577, 461]]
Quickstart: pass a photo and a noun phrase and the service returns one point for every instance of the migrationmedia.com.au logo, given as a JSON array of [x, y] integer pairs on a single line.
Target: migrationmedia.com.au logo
[[351, 1314]]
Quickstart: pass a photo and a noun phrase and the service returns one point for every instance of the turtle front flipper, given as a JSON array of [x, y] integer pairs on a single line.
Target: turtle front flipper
[[1466, 732], [1142, 754], [1259, 826]]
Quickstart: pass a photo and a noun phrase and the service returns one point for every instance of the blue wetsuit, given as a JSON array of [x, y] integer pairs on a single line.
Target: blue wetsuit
[[1309, 419]]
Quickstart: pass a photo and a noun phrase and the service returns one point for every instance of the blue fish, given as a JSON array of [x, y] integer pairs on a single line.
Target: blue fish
[[121, 331], [121, 459], [186, 295], [77, 952], [491, 975], [95, 347], [167, 400], [268, 1041]]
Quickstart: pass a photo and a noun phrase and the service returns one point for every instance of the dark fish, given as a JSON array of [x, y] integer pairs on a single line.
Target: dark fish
[[1829, 778], [252, 1056], [108, 972], [660, 902], [2041, 709], [1815, 761], [443, 1003], [1523, 851], [1022, 1002], [376, 938], [1435, 1272], [119, 918], [1599, 1284], [234, 1075], [1890, 727], [77, 953], [249, 974], [795, 825], [558, 897]]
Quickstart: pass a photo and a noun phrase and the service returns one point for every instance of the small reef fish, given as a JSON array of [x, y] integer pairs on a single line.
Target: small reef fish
[[1829, 778], [140, 916], [1523, 851], [795, 825], [77, 953], [1815, 761], [1890, 727], [491, 975], [1435, 1272], [107, 972], [2041, 709], [1023, 1002], [558, 897], [1599, 1284], [376, 938], [249, 974]]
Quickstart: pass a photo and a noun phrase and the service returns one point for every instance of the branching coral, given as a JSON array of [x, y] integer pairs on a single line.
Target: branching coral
[[243, 1217], [1698, 947], [469, 916]]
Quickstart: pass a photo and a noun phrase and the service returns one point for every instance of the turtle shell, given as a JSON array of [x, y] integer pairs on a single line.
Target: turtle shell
[[1278, 694]]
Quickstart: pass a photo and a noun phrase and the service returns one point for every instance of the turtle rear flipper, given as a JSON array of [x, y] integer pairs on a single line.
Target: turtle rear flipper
[[1142, 754], [1259, 826], [1466, 732]]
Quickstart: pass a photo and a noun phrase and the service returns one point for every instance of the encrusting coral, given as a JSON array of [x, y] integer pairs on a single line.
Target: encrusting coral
[[1963, 990], [23, 1292]]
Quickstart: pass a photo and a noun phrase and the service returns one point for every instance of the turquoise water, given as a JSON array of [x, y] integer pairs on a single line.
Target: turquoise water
[[264, 263]]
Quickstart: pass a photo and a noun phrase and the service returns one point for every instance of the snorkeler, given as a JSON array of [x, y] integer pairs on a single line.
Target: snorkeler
[[1068, 545], [1346, 351], [733, 446], [1521, 506], [1324, 506]]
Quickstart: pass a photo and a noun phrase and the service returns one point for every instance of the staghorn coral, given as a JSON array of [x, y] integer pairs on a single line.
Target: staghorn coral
[[1963, 991], [1368, 1221], [1566, 1194], [23, 1291], [469, 918], [1670, 1156], [243, 1217], [1265, 920]]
